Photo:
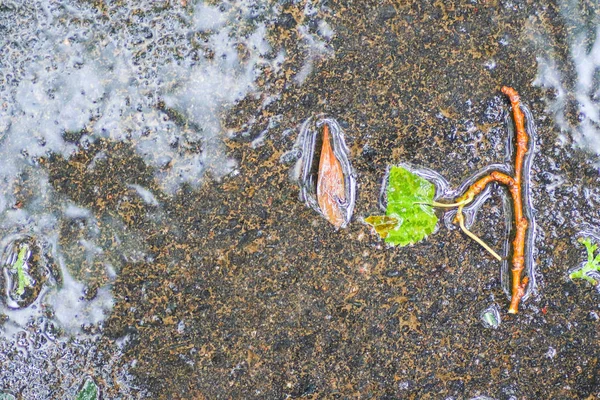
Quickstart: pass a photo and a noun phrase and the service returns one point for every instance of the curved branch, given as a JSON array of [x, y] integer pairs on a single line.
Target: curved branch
[[514, 185], [521, 222]]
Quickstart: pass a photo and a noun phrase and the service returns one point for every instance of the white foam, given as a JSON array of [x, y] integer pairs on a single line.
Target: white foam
[[317, 48], [73, 211], [72, 311], [145, 194], [207, 17]]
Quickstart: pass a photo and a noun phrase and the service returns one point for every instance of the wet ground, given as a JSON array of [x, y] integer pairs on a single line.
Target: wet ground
[[218, 282]]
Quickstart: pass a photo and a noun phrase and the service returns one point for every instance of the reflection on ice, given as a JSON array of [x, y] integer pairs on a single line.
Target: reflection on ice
[[162, 87], [159, 80], [580, 86]]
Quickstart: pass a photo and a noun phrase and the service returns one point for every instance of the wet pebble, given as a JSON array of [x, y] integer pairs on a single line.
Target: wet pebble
[[490, 317]]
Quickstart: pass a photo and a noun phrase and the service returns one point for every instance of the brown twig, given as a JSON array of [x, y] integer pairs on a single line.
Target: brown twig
[[515, 187]]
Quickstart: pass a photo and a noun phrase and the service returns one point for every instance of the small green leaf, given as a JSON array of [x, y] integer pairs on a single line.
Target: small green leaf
[[591, 266], [382, 224], [490, 317], [6, 396], [22, 277], [409, 218], [89, 391]]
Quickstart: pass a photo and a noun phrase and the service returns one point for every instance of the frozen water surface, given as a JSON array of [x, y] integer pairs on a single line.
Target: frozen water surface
[[154, 76]]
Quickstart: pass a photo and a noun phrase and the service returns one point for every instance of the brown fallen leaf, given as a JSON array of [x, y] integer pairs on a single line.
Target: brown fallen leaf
[[330, 183]]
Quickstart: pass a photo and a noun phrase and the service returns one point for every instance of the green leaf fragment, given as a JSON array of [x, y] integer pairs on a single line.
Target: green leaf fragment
[[382, 224], [22, 277], [591, 266], [6, 396], [409, 218], [89, 391], [490, 319]]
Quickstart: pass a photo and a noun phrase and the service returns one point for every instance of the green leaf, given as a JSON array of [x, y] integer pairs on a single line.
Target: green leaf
[[591, 266], [22, 277], [6, 396], [89, 391], [409, 218]]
